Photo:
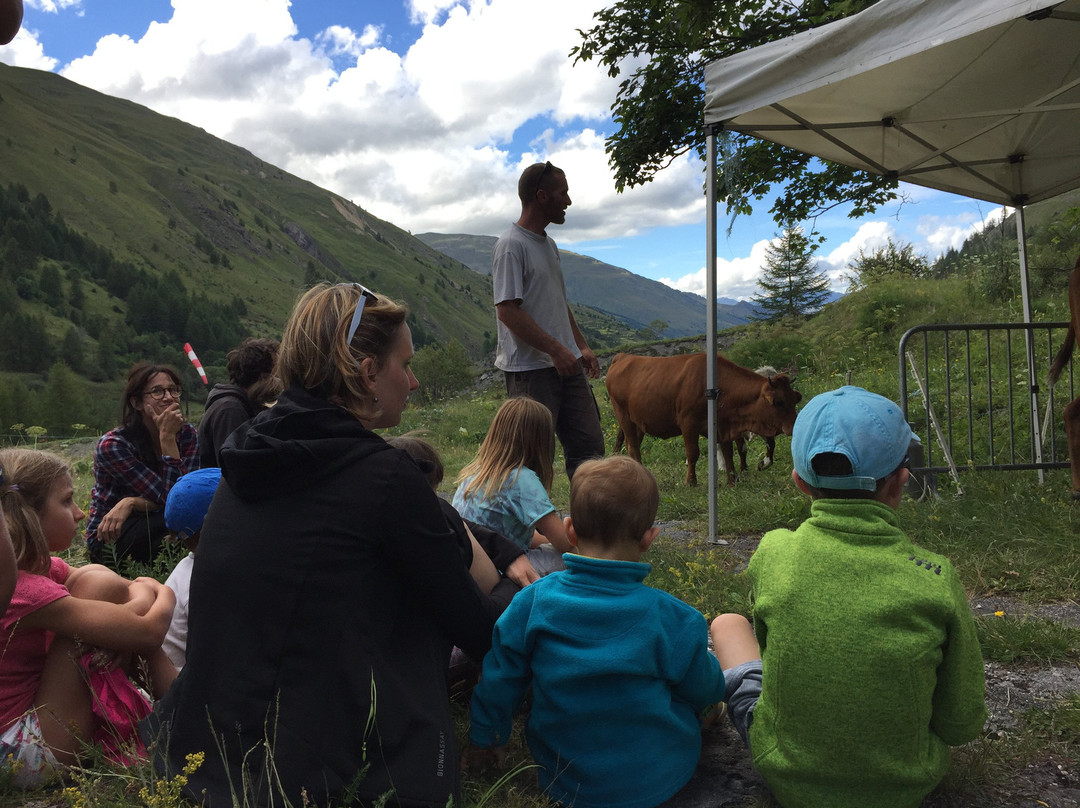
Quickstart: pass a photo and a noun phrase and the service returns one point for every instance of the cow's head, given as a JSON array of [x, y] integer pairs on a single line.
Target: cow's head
[[778, 399]]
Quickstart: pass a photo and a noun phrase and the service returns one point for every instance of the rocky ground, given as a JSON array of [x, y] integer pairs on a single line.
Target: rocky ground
[[725, 777]]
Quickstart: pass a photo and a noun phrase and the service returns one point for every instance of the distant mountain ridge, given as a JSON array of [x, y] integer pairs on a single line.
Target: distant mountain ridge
[[635, 300]]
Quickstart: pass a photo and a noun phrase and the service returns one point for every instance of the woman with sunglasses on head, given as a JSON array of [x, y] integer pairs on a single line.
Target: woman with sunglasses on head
[[327, 591], [136, 464]]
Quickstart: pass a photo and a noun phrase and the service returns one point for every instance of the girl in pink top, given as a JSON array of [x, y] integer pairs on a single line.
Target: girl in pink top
[[58, 692]]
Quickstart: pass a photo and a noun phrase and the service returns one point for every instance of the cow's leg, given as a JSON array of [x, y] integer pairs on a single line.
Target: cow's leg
[[726, 447], [770, 447], [1072, 435], [693, 451], [633, 437], [721, 464], [618, 441], [740, 445]]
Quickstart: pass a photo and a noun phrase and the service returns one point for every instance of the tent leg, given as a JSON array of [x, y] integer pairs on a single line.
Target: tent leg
[[710, 317], [1029, 342]]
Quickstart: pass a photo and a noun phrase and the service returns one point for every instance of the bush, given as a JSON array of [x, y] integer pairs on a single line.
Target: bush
[[442, 370]]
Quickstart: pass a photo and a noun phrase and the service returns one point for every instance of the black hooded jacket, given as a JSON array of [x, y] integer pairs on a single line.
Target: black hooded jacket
[[227, 407], [326, 594]]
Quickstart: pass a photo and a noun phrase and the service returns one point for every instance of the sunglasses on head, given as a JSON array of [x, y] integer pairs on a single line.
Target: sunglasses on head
[[358, 312], [543, 173]]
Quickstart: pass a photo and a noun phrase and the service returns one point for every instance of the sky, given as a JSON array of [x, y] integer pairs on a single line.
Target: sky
[[425, 112]]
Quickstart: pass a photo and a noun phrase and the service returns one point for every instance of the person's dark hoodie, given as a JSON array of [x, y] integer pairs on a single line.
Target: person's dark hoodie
[[326, 595]]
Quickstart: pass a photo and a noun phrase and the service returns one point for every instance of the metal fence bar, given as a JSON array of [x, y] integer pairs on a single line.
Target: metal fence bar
[[993, 417]]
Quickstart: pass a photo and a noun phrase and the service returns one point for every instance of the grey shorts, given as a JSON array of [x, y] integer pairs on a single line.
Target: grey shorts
[[742, 689]]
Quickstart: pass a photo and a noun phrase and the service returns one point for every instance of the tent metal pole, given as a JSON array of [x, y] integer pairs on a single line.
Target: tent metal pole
[[710, 317], [1029, 341]]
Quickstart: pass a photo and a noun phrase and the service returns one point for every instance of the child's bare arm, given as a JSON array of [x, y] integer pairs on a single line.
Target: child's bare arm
[[109, 625], [552, 528]]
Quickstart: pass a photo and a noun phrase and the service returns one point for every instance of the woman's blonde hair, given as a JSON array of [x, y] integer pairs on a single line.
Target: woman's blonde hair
[[316, 352], [521, 435], [29, 477]]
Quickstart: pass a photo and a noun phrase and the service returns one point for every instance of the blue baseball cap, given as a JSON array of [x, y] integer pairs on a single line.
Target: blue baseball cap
[[867, 429], [189, 500]]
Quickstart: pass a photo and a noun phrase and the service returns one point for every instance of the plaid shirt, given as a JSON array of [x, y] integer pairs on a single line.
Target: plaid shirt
[[119, 472]]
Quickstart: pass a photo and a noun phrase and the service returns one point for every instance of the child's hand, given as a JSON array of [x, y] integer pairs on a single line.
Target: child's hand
[[522, 572], [475, 759]]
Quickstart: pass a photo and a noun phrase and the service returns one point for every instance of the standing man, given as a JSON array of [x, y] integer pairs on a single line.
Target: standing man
[[541, 349]]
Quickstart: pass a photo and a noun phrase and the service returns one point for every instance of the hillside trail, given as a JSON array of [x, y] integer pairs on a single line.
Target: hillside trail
[[725, 777]]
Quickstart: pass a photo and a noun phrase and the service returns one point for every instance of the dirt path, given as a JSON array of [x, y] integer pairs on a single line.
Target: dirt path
[[725, 777]]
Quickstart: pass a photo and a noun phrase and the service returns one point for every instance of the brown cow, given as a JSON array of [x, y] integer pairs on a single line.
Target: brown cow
[[1072, 411], [665, 396]]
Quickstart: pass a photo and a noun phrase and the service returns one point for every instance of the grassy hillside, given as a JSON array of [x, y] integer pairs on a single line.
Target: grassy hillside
[[170, 204]]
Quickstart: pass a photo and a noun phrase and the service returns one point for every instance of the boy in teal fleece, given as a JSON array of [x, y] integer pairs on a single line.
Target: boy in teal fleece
[[616, 667], [870, 668]]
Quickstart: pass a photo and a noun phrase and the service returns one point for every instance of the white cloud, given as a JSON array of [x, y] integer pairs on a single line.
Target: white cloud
[[26, 51], [53, 6], [941, 233], [735, 278], [427, 12], [430, 139]]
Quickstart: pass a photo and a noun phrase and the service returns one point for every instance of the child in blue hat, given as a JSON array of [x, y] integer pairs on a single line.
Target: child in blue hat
[[869, 665], [185, 509]]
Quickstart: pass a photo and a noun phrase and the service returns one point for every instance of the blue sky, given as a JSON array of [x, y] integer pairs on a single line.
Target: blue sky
[[424, 112]]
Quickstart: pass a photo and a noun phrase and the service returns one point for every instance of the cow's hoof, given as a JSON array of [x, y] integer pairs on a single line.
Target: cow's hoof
[[764, 464]]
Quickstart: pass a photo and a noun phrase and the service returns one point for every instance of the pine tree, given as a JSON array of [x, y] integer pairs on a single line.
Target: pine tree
[[791, 285]]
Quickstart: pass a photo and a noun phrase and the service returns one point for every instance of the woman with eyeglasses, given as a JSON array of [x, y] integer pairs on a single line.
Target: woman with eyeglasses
[[136, 464], [327, 591]]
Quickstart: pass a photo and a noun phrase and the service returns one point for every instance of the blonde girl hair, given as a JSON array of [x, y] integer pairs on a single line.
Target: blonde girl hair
[[521, 435], [29, 477], [317, 354]]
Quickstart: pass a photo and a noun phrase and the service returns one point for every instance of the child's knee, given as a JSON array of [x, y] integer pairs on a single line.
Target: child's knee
[[98, 582], [731, 624]]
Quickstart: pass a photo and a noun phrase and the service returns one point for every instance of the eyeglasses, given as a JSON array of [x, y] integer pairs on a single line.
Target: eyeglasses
[[365, 293], [159, 393]]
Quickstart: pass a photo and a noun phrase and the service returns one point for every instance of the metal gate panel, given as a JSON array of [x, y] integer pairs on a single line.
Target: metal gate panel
[[976, 378]]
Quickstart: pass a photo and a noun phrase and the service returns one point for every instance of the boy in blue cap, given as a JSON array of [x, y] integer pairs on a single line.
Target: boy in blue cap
[[185, 509], [870, 668]]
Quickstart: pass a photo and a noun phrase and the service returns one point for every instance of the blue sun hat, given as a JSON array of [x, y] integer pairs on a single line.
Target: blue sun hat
[[867, 429], [189, 500]]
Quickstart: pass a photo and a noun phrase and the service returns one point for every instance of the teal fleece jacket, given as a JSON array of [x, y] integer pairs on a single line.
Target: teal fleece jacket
[[871, 666], [619, 672]]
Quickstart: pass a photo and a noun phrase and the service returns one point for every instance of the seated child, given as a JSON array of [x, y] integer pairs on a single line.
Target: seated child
[[870, 667], [68, 631], [507, 487], [616, 667], [489, 555], [185, 509]]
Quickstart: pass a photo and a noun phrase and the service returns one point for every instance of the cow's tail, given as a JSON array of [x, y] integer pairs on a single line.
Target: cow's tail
[[619, 438], [1062, 357]]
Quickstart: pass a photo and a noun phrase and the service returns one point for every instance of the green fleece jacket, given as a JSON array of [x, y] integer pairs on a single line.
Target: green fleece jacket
[[871, 666]]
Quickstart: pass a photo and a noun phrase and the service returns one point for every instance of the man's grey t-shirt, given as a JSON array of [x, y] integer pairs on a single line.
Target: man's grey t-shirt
[[526, 267]]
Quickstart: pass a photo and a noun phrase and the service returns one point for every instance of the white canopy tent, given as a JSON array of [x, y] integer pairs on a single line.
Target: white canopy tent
[[976, 97]]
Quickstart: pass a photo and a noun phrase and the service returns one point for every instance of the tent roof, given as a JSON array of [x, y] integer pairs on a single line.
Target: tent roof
[[980, 98]]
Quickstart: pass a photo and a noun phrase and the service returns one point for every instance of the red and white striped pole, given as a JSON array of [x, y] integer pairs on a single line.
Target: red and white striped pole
[[195, 361]]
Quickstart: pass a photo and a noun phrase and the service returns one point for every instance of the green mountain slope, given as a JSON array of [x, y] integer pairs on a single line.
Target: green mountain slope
[[167, 197], [635, 300]]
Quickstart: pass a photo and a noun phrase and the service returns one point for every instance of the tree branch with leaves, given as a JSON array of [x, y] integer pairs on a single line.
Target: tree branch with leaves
[[661, 48]]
